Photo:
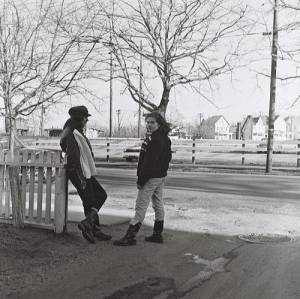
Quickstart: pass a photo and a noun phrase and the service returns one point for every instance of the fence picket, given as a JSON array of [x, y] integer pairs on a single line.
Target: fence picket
[[7, 187], [40, 187], [31, 187], [24, 181], [48, 188]]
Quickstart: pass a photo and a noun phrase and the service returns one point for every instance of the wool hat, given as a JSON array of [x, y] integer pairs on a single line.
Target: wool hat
[[79, 111]]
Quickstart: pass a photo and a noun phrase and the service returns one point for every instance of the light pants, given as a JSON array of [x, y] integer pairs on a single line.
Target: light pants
[[152, 190]]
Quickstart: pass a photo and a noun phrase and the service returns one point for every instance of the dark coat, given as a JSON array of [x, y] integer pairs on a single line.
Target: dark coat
[[155, 156], [90, 190], [69, 146]]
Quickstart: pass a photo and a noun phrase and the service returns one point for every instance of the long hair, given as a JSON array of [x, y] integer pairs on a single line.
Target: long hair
[[164, 127], [74, 123]]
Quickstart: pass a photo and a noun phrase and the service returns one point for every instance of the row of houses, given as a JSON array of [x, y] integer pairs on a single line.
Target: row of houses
[[214, 127], [251, 128]]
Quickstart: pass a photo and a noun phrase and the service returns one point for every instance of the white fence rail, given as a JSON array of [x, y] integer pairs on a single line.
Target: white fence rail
[[199, 151]]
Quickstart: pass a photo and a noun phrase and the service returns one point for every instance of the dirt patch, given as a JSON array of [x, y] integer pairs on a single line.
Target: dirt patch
[[30, 256]]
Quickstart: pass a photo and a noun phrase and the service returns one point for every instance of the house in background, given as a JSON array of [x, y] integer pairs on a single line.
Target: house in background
[[216, 127], [234, 129], [253, 128], [256, 128], [292, 127], [279, 128], [179, 132]]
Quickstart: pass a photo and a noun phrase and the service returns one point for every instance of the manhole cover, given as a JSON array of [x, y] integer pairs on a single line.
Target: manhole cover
[[264, 238]]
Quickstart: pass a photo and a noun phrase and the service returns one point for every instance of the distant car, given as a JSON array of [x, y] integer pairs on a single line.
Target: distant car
[[131, 154]]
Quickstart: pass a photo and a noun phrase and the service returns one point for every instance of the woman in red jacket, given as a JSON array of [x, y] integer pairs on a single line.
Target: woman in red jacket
[[155, 155]]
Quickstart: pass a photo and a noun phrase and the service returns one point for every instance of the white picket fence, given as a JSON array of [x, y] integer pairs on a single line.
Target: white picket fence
[[42, 190]]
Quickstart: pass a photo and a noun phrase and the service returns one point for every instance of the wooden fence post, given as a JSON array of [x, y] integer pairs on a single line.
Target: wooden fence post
[[60, 200], [2, 178], [243, 153], [107, 152], [193, 151], [298, 156]]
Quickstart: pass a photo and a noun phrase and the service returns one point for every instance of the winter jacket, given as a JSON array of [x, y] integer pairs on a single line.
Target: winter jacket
[[70, 146], [155, 156]]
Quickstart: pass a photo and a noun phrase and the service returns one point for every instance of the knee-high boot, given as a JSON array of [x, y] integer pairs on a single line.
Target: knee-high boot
[[156, 236], [129, 238]]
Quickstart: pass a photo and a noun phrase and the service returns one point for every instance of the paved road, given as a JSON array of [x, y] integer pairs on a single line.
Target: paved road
[[189, 265], [287, 187]]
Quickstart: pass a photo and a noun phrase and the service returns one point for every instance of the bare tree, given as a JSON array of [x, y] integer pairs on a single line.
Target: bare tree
[[43, 55], [182, 43], [289, 46], [288, 53]]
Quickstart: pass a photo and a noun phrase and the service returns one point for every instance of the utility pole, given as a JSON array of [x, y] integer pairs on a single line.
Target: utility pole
[[118, 118], [111, 90], [200, 122], [272, 92], [140, 92], [111, 75]]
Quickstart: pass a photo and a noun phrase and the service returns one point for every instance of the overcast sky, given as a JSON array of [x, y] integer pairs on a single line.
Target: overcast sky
[[245, 92]]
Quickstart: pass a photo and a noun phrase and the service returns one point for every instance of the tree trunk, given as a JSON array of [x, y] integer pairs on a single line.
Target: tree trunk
[[162, 108], [16, 198], [14, 172]]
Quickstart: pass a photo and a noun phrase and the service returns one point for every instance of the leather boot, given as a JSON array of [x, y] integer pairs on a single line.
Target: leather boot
[[87, 225], [129, 238], [156, 236], [98, 234]]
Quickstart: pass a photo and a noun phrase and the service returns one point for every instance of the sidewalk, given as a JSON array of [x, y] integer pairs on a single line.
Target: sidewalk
[[201, 230]]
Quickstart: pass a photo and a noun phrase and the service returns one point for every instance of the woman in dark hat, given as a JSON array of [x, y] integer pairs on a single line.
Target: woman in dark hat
[[81, 171]]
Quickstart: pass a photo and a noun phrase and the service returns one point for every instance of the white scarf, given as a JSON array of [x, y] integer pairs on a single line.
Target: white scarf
[[86, 158]]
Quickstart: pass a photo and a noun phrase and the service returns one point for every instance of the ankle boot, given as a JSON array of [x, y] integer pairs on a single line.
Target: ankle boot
[[156, 236], [129, 238], [87, 225], [98, 234]]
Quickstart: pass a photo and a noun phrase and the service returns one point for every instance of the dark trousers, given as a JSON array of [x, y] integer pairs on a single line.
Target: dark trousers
[[93, 196]]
